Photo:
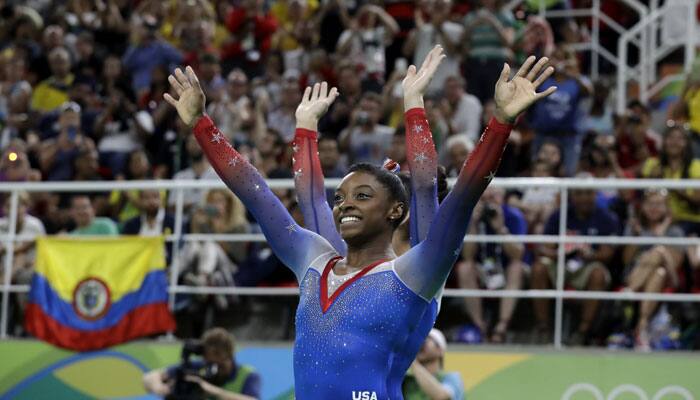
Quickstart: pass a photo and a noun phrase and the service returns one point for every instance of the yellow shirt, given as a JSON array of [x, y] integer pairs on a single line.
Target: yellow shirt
[[680, 209], [50, 94], [693, 100]]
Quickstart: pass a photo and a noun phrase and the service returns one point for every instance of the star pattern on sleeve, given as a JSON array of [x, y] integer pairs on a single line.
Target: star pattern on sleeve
[[490, 176], [233, 161], [298, 173], [291, 228], [217, 138], [420, 157]]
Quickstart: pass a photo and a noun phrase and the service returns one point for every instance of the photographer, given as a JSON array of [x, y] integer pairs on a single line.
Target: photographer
[[427, 378], [215, 376], [494, 265]]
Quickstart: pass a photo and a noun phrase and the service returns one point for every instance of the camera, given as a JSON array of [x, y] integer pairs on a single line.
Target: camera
[[185, 390], [362, 117], [489, 213]]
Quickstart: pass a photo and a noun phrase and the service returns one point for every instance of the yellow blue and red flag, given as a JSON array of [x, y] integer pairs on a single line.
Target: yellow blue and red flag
[[88, 294]]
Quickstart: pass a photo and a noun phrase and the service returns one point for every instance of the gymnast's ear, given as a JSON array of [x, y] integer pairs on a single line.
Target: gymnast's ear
[[397, 212]]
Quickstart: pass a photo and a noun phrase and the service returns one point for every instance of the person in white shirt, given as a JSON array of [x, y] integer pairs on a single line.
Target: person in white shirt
[[365, 140], [438, 30], [24, 255], [28, 227], [365, 41], [199, 169], [462, 110]]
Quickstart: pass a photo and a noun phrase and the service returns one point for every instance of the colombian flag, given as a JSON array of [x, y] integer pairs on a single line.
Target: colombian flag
[[88, 294]]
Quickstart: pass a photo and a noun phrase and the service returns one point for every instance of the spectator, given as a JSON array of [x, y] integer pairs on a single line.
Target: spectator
[[229, 217], [557, 117], [365, 139], [205, 263], [676, 161], [688, 107], [57, 155], [350, 88], [148, 51], [538, 203], [86, 223], [550, 152], [457, 149], [53, 91], [121, 129], [282, 118], [234, 113], [437, 30], [24, 254], [599, 118], [209, 73], [536, 38], [252, 29], [14, 164], [297, 30], [488, 36], [153, 219], [462, 110], [648, 268], [329, 156], [426, 378], [29, 227], [15, 100], [199, 169], [493, 265], [365, 40], [585, 265], [635, 144], [125, 205], [234, 380]]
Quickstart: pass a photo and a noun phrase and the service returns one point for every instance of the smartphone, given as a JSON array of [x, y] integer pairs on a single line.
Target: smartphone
[[72, 132]]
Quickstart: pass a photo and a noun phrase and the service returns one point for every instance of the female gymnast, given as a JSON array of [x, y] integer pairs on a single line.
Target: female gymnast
[[422, 161], [356, 312]]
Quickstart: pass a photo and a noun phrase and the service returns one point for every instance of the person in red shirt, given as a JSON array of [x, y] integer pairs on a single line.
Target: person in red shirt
[[251, 29], [635, 143]]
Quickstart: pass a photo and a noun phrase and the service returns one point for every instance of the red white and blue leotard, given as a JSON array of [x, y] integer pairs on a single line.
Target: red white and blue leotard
[[348, 339], [422, 160]]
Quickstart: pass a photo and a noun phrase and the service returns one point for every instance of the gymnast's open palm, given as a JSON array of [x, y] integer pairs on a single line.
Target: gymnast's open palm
[[189, 100], [416, 81], [315, 102], [516, 95]]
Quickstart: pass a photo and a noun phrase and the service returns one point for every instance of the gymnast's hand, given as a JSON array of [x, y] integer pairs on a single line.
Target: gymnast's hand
[[416, 82], [314, 104], [515, 96], [190, 97]]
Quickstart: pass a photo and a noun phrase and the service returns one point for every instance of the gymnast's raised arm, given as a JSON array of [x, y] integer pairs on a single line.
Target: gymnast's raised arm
[[295, 246], [444, 240]]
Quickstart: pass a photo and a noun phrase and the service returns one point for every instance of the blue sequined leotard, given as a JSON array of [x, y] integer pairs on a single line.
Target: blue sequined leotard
[[349, 337]]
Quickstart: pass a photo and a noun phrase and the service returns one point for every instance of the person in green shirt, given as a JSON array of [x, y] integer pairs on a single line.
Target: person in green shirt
[[83, 214], [426, 379]]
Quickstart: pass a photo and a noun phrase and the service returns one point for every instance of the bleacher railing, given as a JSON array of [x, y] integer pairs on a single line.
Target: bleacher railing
[[558, 293], [598, 17]]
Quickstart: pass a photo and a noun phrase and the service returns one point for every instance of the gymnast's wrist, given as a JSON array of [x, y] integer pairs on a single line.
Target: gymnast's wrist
[[412, 101], [308, 124]]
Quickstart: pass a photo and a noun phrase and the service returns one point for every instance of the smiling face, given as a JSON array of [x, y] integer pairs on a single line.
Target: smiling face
[[364, 209]]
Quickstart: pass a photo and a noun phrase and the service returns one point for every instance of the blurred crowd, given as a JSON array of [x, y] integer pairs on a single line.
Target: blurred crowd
[[81, 99]]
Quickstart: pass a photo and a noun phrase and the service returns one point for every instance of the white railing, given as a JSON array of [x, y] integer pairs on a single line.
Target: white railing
[[653, 37], [597, 17], [179, 188]]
